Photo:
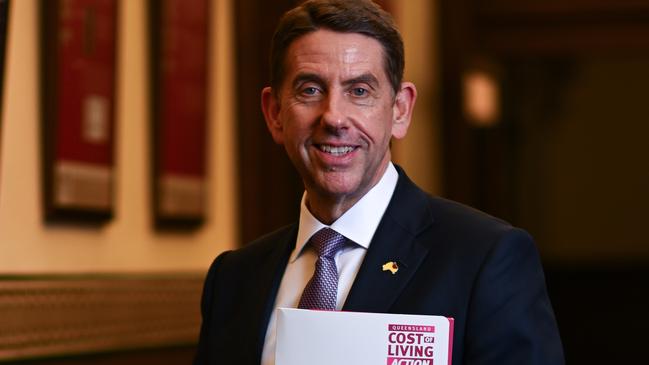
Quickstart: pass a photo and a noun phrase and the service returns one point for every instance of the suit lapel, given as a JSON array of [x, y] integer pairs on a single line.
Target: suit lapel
[[395, 240]]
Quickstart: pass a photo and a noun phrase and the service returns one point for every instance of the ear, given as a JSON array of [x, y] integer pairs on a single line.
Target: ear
[[404, 103], [270, 106]]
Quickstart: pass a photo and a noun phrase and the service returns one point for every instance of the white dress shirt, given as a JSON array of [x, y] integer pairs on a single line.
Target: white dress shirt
[[357, 224]]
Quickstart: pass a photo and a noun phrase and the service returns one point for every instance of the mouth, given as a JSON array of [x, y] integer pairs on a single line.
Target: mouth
[[335, 150]]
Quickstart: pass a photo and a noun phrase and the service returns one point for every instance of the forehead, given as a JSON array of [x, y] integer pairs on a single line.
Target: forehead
[[334, 54]]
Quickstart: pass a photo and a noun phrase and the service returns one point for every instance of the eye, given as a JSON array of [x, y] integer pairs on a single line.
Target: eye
[[359, 91], [310, 91]]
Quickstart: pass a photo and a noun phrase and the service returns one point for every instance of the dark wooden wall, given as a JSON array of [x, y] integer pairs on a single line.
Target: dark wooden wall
[[270, 188], [505, 33], [99, 319], [158, 356], [536, 49]]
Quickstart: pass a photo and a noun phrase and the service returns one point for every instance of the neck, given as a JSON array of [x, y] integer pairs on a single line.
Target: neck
[[326, 210], [327, 207]]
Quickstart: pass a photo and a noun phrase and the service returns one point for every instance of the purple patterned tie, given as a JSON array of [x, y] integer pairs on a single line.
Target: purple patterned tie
[[320, 292]]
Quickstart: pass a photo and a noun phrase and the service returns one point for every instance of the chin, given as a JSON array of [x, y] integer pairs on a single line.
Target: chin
[[341, 189]]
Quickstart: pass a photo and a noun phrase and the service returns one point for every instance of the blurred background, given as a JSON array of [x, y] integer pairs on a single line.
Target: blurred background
[[533, 111]]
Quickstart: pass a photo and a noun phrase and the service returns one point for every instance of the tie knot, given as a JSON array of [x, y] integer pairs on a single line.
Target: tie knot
[[327, 242]]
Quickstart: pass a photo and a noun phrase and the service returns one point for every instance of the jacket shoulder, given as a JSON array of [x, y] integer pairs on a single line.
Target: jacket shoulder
[[419, 212]]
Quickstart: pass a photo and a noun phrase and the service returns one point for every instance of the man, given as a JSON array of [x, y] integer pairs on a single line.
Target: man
[[336, 100]]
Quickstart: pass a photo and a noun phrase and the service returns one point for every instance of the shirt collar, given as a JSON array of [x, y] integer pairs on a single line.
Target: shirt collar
[[359, 222]]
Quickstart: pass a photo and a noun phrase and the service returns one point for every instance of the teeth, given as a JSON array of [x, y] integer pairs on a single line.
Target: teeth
[[336, 150]]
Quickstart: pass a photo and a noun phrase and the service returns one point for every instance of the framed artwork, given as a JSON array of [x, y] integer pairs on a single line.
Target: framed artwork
[[179, 44], [78, 102]]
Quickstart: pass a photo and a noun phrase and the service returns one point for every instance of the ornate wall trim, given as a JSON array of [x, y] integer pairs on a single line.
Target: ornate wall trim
[[54, 316]]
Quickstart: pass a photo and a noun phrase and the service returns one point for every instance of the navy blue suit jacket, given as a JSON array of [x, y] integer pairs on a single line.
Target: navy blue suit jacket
[[453, 261]]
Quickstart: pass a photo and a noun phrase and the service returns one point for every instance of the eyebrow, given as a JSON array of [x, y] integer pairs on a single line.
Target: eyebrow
[[307, 77], [366, 78]]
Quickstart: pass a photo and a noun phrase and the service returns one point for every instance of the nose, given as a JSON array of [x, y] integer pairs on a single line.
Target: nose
[[333, 116]]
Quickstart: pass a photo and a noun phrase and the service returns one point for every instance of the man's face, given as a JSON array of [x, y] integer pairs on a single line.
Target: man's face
[[335, 113]]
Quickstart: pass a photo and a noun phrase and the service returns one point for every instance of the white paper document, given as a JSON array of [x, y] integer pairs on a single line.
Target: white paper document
[[329, 337]]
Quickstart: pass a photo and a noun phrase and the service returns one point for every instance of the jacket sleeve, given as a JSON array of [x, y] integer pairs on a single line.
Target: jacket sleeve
[[207, 305], [510, 318]]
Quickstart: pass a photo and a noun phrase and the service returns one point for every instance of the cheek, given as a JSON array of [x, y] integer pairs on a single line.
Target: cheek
[[295, 136], [379, 127], [300, 121], [296, 117]]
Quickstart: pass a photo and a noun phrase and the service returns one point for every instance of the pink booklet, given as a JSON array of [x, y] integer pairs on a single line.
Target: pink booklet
[[330, 337]]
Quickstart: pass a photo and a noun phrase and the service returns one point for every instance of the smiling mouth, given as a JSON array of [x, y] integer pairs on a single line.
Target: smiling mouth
[[336, 150]]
